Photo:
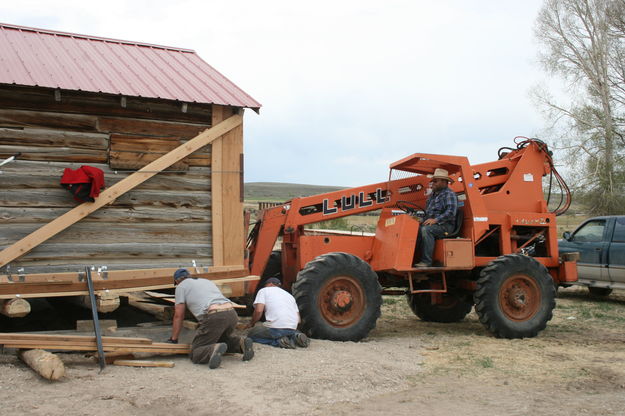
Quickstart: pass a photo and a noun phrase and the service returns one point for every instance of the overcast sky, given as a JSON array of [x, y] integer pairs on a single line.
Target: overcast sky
[[347, 87]]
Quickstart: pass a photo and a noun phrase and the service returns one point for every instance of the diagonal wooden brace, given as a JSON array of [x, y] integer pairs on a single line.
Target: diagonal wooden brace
[[109, 195]]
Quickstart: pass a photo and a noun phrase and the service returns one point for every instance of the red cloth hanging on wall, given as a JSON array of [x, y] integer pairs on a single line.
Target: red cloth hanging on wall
[[84, 183]]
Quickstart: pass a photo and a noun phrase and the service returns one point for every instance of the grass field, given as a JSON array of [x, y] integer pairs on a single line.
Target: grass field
[[280, 192], [580, 343]]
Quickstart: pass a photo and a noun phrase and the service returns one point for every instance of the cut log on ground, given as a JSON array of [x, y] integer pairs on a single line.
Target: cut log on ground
[[144, 363], [105, 301], [46, 364], [15, 308]]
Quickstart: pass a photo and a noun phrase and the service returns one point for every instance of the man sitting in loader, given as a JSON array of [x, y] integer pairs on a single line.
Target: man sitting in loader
[[440, 216]]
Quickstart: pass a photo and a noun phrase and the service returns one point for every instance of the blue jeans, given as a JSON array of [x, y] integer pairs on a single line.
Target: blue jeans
[[428, 234], [270, 336]]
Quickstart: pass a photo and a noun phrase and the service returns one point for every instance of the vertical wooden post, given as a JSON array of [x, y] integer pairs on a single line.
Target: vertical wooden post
[[226, 191]]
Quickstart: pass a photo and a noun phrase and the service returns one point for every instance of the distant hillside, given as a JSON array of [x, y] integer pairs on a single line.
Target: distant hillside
[[278, 192]]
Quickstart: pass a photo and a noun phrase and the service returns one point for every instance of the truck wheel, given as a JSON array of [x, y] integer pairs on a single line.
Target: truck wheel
[[515, 297], [452, 308], [599, 291], [338, 296]]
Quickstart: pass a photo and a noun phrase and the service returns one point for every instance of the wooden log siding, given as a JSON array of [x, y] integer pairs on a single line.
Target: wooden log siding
[[48, 175], [118, 215], [43, 99], [48, 120], [164, 222], [172, 201]]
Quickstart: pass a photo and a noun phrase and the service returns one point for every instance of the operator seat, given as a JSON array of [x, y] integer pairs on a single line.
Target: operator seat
[[458, 227]]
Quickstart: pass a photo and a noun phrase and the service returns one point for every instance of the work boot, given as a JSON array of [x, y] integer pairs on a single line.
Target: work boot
[[286, 342], [422, 265], [301, 340], [218, 351], [247, 348]]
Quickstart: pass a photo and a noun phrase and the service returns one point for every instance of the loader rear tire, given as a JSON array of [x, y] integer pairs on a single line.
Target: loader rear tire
[[338, 296], [451, 309], [515, 296]]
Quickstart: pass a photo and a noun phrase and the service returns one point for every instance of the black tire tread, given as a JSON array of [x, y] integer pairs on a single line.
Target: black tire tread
[[487, 289], [308, 283], [432, 313]]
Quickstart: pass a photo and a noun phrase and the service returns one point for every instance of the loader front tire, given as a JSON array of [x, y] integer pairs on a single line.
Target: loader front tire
[[515, 296], [338, 296], [451, 309], [272, 269]]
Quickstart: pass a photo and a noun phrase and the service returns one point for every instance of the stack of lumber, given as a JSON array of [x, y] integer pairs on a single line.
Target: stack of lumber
[[88, 343]]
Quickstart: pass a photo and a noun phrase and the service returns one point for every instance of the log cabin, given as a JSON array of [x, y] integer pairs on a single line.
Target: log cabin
[[166, 130]]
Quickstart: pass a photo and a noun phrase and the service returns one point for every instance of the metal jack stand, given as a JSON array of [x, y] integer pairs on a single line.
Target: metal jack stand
[[96, 322]]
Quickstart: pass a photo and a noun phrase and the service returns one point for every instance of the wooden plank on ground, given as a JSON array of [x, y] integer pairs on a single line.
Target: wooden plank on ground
[[155, 349], [144, 363], [88, 343], [5, 336]]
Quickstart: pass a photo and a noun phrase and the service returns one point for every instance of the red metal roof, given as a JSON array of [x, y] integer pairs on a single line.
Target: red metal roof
[[45, 58]]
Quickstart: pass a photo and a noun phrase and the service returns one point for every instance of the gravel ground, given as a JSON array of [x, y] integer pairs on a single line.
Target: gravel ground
[[406, 366]]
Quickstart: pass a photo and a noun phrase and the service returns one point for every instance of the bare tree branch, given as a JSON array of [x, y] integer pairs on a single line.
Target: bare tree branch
[[584, 42]]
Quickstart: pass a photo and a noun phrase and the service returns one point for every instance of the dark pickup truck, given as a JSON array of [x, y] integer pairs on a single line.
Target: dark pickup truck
[[601, 244]]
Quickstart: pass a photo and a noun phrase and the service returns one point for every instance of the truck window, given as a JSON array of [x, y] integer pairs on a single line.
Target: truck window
[[592, 231], [619, 231]]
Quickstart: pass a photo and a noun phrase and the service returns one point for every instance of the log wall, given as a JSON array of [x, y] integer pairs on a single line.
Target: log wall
[[168, 221]]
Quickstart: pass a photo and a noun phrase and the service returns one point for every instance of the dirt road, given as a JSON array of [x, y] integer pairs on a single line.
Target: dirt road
[[405, 367]]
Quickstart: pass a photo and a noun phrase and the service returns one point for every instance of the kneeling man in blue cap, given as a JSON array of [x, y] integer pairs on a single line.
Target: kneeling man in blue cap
[[217, 320]]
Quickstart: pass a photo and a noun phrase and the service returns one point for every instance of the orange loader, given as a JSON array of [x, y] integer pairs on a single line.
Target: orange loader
[[501, 258]]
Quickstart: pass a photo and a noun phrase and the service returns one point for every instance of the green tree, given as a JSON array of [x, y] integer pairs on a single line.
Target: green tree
[[582, 42]]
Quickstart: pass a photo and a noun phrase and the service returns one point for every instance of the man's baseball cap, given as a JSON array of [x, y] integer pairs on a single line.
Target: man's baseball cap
[[180, 273], [274, 280]]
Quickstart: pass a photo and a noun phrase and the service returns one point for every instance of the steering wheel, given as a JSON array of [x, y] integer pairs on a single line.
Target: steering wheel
[[410, 208]]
